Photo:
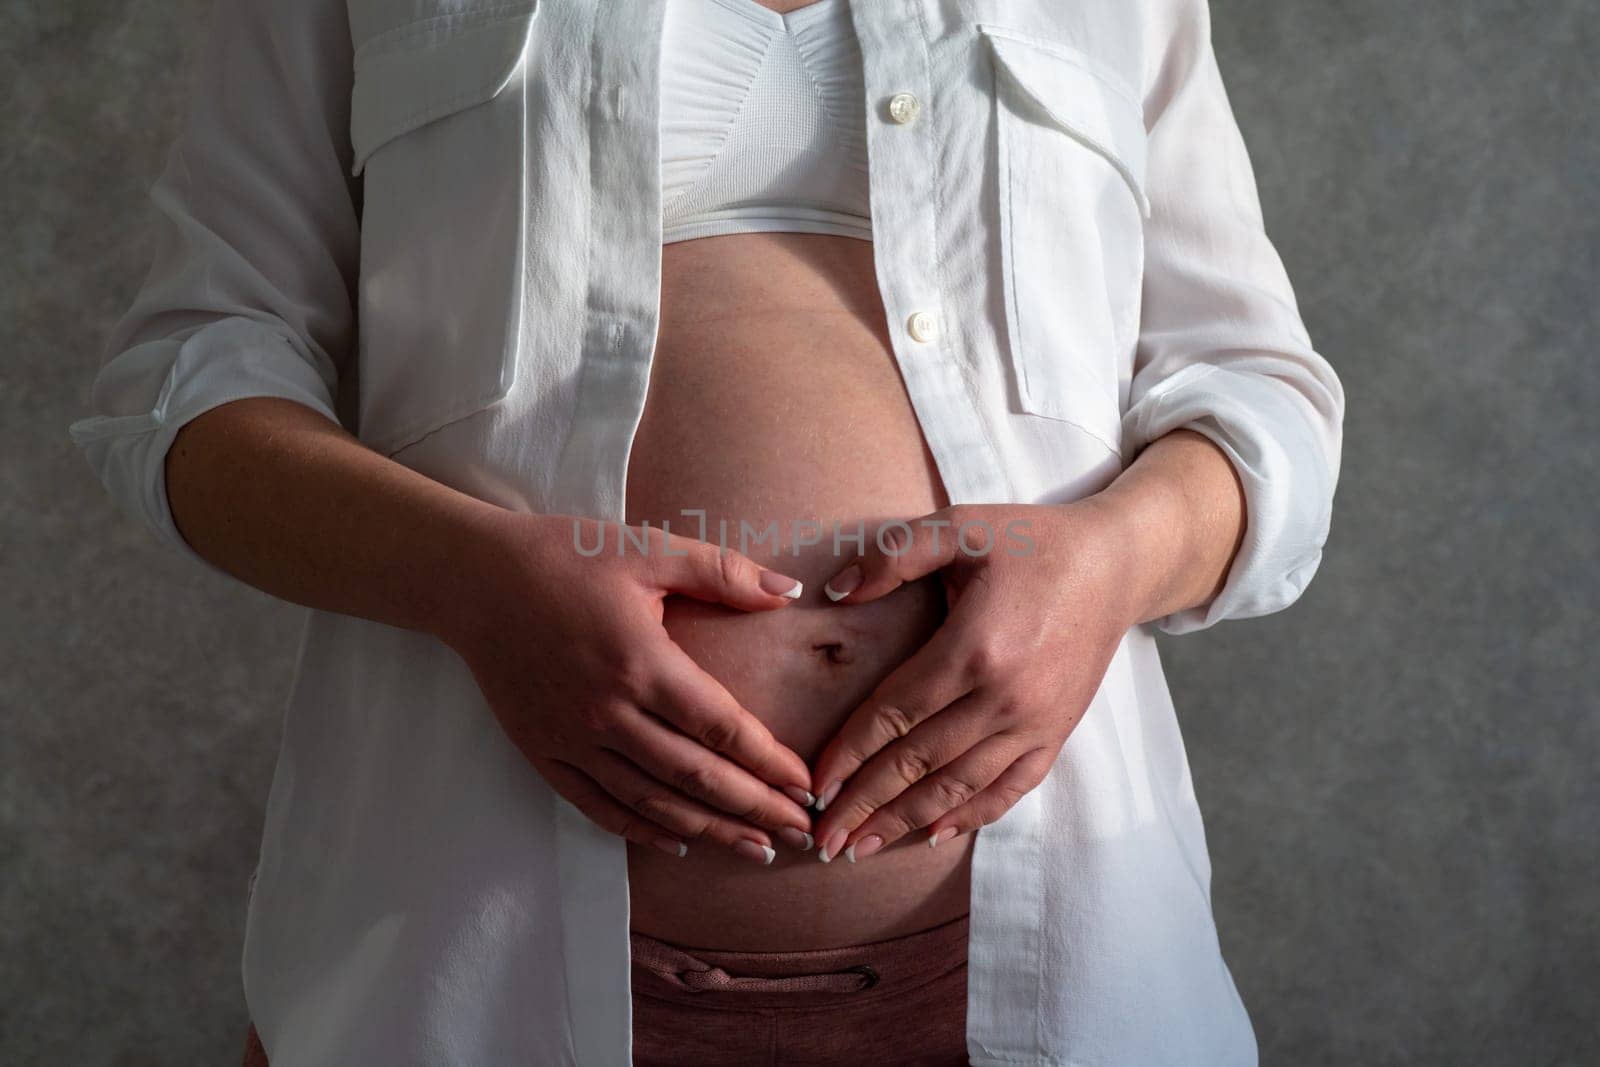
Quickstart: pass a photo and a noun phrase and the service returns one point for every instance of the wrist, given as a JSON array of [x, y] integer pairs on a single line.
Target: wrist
[[1143, 524], [475, 563], [1179, 510]]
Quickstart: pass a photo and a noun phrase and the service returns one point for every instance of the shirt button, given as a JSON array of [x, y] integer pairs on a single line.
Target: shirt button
[[903, 107], [923, 326]]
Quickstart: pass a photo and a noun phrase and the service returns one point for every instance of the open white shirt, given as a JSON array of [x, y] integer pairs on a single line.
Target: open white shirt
[[1069, 204]]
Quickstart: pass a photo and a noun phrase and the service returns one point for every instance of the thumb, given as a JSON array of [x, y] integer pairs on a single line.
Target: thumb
[[898, 553], [721, 576]]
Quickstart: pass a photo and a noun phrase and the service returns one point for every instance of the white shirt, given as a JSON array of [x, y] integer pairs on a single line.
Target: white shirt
[[1070, 251]]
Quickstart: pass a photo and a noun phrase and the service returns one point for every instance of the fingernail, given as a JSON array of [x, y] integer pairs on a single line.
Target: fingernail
[[780, 585], [799, 796], [667, 844], [828, 794], [835, 843], [797, 838], [844, 583], [863, 848], [754, 850], [941, 835]]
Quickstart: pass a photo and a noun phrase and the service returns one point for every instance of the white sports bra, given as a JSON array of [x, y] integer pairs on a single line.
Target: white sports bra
[[762, 120]]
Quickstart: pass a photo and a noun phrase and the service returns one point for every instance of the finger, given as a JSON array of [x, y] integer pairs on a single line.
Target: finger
[[717, 575], [899, 552], [682, 816], [695, 703], [1016, 782], [694, 770], [585, 794], [956, 730], [927, 682], [948, 789]]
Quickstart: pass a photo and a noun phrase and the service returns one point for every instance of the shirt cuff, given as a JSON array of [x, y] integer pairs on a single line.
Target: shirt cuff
[[1284, 464], [231, 359]]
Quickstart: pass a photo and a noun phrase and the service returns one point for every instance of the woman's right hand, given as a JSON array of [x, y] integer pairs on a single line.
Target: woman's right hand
[[571, 654]]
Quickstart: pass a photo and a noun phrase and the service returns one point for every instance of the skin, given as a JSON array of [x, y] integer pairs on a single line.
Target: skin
[[774, 397], [971, 723], [688, 709], [775, 400], [286, 500], [726, 696]]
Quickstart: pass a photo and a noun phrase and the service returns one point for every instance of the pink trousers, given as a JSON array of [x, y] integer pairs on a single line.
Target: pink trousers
[[886, 1004]]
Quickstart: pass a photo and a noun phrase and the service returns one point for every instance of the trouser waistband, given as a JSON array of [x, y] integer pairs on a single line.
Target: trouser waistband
[[756, 979]]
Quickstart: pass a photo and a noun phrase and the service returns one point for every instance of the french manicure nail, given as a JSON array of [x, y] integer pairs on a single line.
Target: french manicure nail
[[667, 844], [844, 583], [797, 838], [781, 585], [799, 796], [863, 848], [828, 794], [835, 843], [754, 850], [941, 835]]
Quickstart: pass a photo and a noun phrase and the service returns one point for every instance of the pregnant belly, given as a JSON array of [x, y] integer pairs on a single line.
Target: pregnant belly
[[777, 424]]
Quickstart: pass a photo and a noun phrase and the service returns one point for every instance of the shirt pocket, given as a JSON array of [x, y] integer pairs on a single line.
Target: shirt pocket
[[1072, 204], [437, 130]]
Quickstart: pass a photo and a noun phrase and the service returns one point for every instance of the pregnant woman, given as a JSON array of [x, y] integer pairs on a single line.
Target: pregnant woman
[[780, 429]]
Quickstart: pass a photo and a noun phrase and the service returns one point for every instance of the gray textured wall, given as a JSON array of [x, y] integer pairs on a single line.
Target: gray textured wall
[[1399, 772]]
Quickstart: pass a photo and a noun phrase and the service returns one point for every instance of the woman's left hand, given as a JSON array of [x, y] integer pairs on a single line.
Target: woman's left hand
[[973, 721]]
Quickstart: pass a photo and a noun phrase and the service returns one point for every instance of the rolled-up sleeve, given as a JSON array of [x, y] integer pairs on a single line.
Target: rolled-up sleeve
[[257, 248], [1222, 349]]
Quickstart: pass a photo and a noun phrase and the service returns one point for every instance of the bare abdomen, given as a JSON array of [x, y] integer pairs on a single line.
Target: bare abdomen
[[776, 410]]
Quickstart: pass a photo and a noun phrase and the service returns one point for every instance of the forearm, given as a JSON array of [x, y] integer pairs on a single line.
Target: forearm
[[281, 498], [1182, 507]]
